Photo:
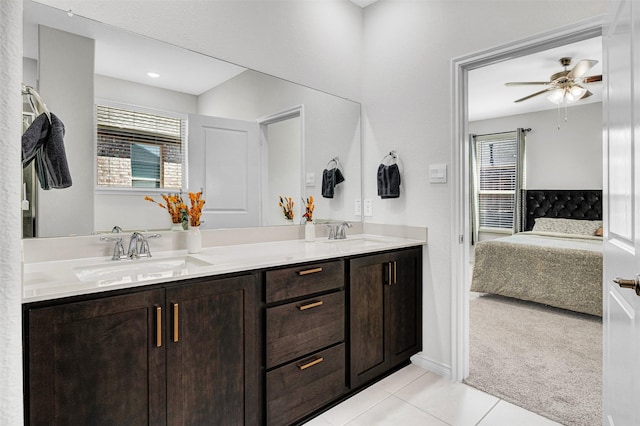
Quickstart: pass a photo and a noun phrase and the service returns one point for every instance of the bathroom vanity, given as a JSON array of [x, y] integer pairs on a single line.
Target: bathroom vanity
[[284, 332]]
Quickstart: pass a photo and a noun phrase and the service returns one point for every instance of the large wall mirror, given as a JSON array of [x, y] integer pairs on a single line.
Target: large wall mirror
[[247, 137]]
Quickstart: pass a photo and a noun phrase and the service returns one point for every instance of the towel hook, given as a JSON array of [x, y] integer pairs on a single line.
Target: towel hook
[[335, 160], [393, 155], [35, 101]]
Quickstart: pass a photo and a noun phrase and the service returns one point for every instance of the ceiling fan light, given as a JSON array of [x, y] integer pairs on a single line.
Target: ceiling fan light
[[576, 92], [556, 96]]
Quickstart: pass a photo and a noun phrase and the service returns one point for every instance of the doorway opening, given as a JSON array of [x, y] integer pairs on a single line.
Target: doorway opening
[[461, 253], [282, 151]]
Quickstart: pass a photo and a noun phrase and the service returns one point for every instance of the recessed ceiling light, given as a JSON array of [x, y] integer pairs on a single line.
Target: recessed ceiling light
[[153, 74]]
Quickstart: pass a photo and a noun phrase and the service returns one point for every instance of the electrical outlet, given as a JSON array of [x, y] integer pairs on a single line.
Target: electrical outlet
[[357, 210], [368, 207]]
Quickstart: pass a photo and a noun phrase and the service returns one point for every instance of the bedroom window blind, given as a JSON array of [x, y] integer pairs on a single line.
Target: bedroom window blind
[[139, 149], [497, 181]]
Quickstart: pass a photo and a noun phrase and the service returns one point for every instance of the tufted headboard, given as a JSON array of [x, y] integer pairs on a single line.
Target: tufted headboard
[[569, 204]]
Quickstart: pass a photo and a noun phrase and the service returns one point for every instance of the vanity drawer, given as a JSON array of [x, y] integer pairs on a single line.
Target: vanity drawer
[[299, 388], [303, 327], [299, 281]]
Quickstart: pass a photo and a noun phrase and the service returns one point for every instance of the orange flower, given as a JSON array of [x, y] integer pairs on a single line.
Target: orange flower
[[174, 205], [287, 207], [195, 211], [309, 209]]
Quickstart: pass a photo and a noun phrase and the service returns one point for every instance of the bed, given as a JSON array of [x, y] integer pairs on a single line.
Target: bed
[[556, 260]]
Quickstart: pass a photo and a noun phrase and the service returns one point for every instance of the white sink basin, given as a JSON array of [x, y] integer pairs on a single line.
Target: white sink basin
[[124, 271], [356, 242]]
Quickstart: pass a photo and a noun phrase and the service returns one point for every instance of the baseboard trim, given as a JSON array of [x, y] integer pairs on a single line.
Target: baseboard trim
[[434, 366]]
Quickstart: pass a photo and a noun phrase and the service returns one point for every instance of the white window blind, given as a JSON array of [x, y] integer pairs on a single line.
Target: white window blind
[[497, 159], [139, 149]]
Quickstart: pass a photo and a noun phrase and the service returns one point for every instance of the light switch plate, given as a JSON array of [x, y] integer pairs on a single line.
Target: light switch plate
[[368, 207], [357, 207], [438, 173], [310, 180]]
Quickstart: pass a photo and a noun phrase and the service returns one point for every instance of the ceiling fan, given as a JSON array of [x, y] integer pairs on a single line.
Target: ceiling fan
[[564, 86]]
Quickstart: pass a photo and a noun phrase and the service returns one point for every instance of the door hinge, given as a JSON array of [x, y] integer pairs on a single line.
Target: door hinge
[[460, 239]]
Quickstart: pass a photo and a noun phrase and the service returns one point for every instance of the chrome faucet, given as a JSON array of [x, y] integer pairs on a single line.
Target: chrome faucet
[[338, 232], [341, 233], [139, 245]]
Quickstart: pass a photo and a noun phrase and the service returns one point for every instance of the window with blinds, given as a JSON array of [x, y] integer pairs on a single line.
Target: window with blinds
[[497, 159], [138, 149]]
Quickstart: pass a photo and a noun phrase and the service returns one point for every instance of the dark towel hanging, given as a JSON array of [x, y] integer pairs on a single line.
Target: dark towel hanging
[[330, 178], [389, 181], [43, 142]]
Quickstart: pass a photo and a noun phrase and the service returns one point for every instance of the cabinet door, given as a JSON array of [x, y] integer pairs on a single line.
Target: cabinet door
[[404, 306], [367, 279], [98, 362], [385, 301], [212, 356]]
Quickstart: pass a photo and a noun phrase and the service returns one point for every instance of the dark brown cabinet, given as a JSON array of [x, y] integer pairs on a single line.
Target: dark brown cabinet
[[270, 347], [385, 312], [212, 353], [305, 331], [177, 355]]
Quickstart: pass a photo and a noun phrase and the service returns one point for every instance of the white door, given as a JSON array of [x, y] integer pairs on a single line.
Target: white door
[[224, 160], [621, 319]]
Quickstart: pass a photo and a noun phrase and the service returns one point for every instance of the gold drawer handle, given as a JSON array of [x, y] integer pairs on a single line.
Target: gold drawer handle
[[158, 326], [176, 319], [310, 271], [310, 364], [311, 305]]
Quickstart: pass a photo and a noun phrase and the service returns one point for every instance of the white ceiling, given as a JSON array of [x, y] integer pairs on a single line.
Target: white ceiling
[[180, 69], [490, 98]]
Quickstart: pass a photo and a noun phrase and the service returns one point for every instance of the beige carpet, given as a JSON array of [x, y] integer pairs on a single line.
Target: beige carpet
[[544, 359]]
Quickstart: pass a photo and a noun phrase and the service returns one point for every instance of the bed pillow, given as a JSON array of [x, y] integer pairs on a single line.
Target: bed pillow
[[567, 226]]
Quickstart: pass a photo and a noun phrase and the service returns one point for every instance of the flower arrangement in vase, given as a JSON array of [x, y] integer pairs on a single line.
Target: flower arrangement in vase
[[309, 227], [309, 207], [196, 208], [287, 207], [194, 238], [176, 207]]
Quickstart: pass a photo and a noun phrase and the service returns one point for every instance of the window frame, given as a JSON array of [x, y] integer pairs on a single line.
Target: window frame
[[497, 138], [146, 110]]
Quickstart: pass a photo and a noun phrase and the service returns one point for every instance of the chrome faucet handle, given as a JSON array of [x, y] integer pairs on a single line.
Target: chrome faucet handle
[[332, 231], [144, 244], [116, 230], [342, 233], [118, 248]]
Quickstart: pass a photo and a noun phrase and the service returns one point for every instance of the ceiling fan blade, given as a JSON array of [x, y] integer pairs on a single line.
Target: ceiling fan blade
[[586, 95], [524, 83], [581, 68], [592, 79], [534, 94]]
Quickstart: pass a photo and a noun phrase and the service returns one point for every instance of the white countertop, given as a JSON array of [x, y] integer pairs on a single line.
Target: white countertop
[[64, 278]]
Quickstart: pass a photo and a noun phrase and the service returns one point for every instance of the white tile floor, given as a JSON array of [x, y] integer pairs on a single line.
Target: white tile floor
[[413, 396]]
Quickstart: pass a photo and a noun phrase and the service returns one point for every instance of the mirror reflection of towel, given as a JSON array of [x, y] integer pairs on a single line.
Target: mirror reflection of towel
[[43, 142], [389, 181], [330, 178]]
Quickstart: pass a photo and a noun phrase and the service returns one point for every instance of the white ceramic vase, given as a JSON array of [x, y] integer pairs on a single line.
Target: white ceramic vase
[[194, 240], [309, 232]]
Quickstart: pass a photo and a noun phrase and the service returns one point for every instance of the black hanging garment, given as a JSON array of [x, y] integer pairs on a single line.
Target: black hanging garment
[[389, 181], [330, 178], [43, 142]]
